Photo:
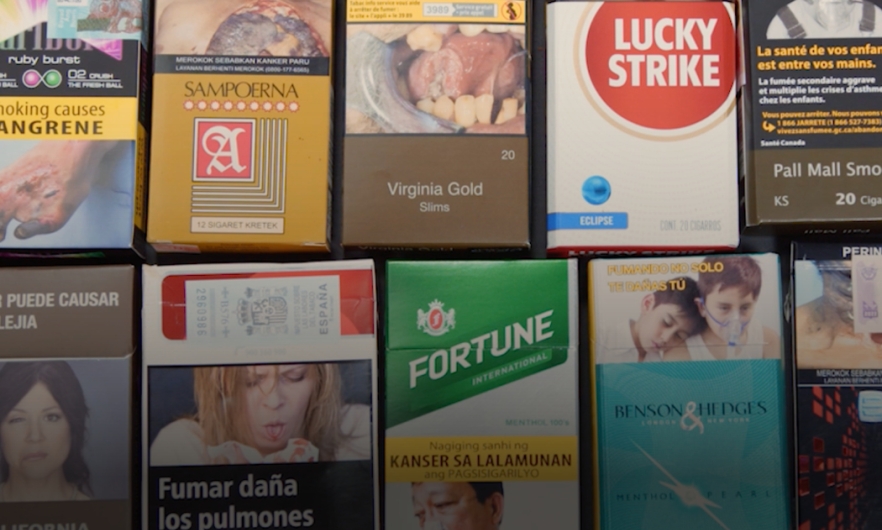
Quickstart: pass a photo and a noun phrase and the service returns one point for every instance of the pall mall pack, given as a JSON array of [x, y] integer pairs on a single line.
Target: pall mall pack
[[482, 399], [688, 386], [259, 396], [66, 371], [811, 113], [838, 394], [73, 125], [642, 134], [242, 114]]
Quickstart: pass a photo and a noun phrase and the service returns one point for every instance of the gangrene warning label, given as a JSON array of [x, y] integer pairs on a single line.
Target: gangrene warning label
[[481, 390]]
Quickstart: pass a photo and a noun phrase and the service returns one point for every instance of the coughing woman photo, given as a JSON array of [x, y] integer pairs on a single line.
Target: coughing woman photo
[[265, 414]]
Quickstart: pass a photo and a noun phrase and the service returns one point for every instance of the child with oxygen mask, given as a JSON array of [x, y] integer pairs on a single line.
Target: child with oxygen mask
[[729, 289]]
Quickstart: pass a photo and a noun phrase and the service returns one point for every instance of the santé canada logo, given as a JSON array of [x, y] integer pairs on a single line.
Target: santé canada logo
[[223, 150], [659, 69], [435, 321]]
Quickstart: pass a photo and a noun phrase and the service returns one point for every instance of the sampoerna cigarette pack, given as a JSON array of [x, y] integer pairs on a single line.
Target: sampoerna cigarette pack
[[242, 120]]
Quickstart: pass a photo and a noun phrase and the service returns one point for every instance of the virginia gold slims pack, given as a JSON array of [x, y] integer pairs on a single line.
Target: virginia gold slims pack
[[66, 397], [242, 102], [642, 134], [436, 147], [72, 133]]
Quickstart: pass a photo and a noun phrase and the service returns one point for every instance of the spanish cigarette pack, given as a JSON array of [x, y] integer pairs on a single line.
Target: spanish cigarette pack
[[66, 400], [259, 396], [688, 383], [811, 115], [242, 114], [838, 395], [642, 134], [482, 395], [73, 120], [437, 142]]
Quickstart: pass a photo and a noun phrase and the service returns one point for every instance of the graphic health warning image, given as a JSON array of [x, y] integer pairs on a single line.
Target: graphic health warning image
[[66, 193], [259, 446], [436, 78], [64, 431]]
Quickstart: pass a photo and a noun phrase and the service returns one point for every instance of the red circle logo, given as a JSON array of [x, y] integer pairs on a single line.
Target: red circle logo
[[664, 65], [436, 319]]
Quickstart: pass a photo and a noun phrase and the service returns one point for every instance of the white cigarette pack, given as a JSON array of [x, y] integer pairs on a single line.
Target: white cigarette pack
[[642, 133]]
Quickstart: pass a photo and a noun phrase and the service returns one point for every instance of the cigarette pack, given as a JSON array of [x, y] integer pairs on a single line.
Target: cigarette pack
[[642, 134], [73, 127], [66, 370], [482, 395], [688, 383], [437, 144], [838, 363], [242, 117], [811, 116], [259, 396]]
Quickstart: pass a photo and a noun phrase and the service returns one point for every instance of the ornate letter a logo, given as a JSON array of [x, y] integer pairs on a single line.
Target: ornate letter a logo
[[223, 150]]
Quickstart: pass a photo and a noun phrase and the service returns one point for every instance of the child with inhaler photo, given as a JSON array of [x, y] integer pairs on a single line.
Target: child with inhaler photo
[[667, 318], [729, 292], [265, 414]]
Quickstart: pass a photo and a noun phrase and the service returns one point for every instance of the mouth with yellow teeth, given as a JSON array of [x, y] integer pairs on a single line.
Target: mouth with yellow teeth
[[442, 78]]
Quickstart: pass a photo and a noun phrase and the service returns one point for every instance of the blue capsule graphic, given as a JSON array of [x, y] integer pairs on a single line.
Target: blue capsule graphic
[[596, 190]]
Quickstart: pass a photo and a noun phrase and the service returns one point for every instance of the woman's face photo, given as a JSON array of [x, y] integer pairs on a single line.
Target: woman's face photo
[[276, 400], [35, 435]]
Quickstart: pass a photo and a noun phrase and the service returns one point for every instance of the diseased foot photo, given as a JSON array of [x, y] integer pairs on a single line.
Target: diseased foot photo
[[436, 78], [44, 187]]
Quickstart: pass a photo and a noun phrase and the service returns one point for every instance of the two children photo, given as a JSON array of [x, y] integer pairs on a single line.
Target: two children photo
[[711, 318]]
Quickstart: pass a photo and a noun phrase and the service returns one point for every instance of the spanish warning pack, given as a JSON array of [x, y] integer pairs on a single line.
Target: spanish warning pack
[[838, 397], [241, 110], [437, 150], [66, 401], [73, 125], [642, 134], [688, 381], [482, 395], [259, 396], [812, 121]]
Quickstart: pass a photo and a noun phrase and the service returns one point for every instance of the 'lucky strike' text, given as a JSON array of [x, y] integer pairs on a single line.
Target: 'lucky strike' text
[[671, 69]]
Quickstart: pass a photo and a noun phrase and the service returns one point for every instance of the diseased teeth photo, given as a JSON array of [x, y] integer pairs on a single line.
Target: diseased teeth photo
[[436, 79], [273, 28]]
